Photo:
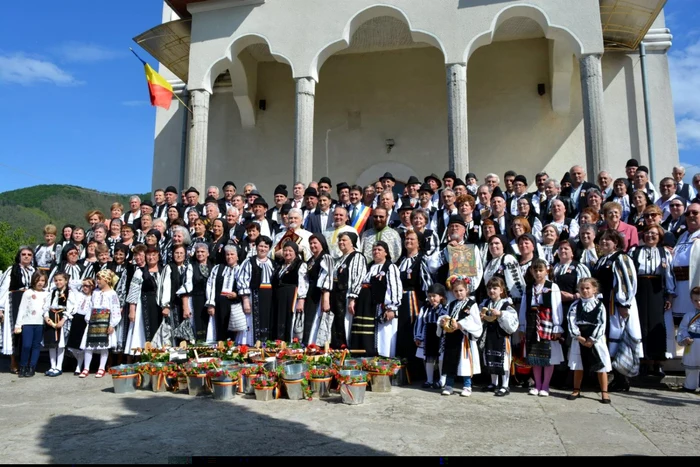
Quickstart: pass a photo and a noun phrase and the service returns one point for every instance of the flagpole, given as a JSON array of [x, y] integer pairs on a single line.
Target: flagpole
[[174, 94]]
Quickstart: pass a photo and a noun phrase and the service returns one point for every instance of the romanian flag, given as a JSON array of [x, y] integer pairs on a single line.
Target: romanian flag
[[160, 90]]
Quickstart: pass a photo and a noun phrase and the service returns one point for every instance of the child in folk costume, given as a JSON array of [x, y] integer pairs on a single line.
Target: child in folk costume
[[30, 323], [541, 318], [589, 348], [688, 331], [425, 331], [500, 322], [459, 329], [57, 311], [104, 316], [79, 319]]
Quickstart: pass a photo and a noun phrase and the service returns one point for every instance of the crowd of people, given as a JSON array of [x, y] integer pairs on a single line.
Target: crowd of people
[[455, 277]]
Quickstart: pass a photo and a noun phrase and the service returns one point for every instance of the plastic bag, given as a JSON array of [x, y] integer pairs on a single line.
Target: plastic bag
[[184, 331], [324, 329], [164, 335], [298, 327], [211, 331]]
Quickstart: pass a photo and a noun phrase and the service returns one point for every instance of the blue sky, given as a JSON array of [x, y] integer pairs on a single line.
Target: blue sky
[[76, 101]]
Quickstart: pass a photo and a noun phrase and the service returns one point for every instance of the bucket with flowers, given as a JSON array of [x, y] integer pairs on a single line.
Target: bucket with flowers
[[380, 371], [266, 388], [125, 378], [352, 386], [196, 370], [320, 377], [158, 372], [223, 381]]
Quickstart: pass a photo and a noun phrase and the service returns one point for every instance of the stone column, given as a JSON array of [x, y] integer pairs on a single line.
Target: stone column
[[593, 115], [457, 132], [196, 172], [304, 136]]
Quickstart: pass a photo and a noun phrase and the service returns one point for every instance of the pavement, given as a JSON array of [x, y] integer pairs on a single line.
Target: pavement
[[73, 421]]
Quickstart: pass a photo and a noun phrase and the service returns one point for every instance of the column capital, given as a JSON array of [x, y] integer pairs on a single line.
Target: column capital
[[306, 85], [198, 90], [449, 65]]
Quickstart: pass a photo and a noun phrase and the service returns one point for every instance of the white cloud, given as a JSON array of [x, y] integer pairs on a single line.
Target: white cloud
[[135, 103], [74, 51], [22, 69], [685, 82]]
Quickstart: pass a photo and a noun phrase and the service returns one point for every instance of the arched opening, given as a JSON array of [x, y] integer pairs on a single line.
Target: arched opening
[[380, 99], [524, 98]]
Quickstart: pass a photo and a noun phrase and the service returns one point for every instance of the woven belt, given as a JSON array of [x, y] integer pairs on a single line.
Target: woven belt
[[682, 273], [366, 286], [648, 276]]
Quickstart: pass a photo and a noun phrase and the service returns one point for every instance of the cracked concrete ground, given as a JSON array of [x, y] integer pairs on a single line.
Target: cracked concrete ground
[[72, 420]]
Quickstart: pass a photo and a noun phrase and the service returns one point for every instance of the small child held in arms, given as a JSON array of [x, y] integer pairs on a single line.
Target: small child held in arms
[[459, 329], [425, 331], [688, 331]]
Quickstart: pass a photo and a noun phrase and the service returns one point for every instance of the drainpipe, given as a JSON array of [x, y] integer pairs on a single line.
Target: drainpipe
[[647, 110], [183, 146]]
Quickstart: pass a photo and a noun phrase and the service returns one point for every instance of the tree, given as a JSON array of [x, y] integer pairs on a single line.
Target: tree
[[10, 241]]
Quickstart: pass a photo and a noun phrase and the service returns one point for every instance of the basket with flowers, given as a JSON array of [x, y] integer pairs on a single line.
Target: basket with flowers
[[382, 366], [227, 351]]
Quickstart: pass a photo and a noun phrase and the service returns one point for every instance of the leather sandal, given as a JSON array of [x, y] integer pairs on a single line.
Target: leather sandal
[[100, 373], [84, 373], [574, 395], [604, 400]]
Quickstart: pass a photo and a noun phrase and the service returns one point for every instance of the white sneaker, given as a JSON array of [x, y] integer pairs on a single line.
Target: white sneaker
[[447, 391], [533, 392], [544, 394], [466, 392]]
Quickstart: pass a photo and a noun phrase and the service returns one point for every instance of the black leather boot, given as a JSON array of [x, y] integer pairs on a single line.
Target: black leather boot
[[30, 372], [22, 372]]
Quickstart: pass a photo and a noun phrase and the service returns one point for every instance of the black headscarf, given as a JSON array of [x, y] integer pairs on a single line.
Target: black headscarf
[[384, 245], [322, 240]]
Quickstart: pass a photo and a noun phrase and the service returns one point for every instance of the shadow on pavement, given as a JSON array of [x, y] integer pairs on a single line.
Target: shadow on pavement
[[155, 427]]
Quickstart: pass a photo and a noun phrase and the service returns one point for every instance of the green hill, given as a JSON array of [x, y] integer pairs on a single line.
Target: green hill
[[28, 210]]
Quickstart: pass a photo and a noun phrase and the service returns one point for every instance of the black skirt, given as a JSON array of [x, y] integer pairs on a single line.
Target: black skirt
[[15, 300], [201, 316], [364, 324], [650, 301], [339, 309], [284, 299], [431, 345], [151, 314], [222, 316], [262, 313], [77, 330], [453, 348], [52, 336], [408, 312]]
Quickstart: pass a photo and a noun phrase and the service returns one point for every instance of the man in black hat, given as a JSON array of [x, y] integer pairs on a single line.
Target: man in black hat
[[388, 181], [459, 187], [267, 228], [425, 199], [520, 192], [280, 200], [226, 201], [192, 197], [310, 202], [412, 186], [171, 199], [499, 213], [472, 183], [456, 257], [630, 170], [641, 182], [404, 221], [343, 191]]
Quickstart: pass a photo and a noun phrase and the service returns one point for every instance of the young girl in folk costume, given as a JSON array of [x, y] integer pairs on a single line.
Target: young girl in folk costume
[[104, 316], [688, 331], [425, 331], [459, 328], [57, 311], [500, 322], [541, 318], [589, 348], [30, 323], [80, 316]]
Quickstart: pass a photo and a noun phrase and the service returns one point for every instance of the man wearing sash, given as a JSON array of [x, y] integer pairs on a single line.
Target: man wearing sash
[[359, 215], [457, 258], [340, 219], [686, 257]]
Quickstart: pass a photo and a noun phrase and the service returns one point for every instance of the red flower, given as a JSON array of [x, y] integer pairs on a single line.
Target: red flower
[[229, 344], [343, 346], [295, 340], [243, 349]]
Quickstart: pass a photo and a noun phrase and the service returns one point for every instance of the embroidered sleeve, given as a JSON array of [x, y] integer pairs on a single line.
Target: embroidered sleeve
[[325, 277], [394, 290], [670, 277], [426, 278], [134, 294], [211, 286], [471, 324], [582, 271], [625, 281], [509, 320], [437, 260], [682, 328], [165, 287], [573, 230], [356, 274], [432, 244], [4, 288], [571, 316], [599, 331], [244, 277], [23, 309], [303, 284], [187, 285], [537, 229], [115, 315], [557, 311]]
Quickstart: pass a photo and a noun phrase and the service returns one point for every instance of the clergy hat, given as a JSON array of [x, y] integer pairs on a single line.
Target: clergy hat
[[455, 219], [437, 289], [259, 201], [341, 186], [632, 163], [497, 193], [425, 187], [325, 180], [405, 204], [230, 183], [387, 176], [566, 178], [285, 208], [311, 191], [471, 175], [192, 190], [281, 190], [520, 178], [171, 189], [413, 180], [433, 177], [450, 174], [643, 168], [458, 182]]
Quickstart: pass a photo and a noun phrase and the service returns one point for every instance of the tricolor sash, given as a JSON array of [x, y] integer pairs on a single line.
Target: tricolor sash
[[360, 218]]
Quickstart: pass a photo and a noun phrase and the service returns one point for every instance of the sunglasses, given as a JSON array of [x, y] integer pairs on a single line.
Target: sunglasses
[[692, 213]]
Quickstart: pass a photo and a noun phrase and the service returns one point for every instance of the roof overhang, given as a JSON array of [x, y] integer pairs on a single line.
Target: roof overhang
[[180, 7], [626, 22], [169, 43]]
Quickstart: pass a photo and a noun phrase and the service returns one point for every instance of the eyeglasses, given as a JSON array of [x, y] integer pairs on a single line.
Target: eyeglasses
[[647, 216], [676, 205], [692, 213]]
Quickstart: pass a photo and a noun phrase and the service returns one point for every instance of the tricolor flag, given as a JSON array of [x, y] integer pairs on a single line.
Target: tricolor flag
[[160, 90]]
